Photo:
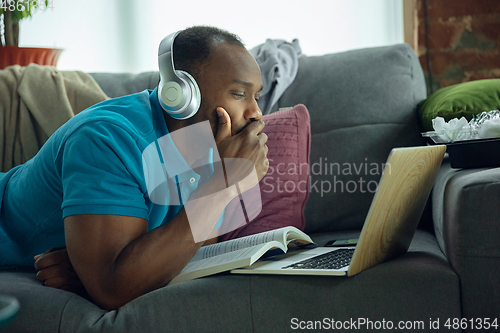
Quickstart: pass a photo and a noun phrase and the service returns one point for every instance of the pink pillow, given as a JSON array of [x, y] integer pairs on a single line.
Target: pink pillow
[[285, 188]]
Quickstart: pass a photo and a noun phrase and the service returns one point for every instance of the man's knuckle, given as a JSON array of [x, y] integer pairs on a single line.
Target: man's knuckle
[[40, 264], [39, 276], [55, 282]]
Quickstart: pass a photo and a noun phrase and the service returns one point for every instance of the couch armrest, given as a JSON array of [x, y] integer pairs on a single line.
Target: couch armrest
[[466, 213]]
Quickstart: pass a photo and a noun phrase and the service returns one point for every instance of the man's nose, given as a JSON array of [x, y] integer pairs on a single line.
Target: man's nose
[[253, 112]]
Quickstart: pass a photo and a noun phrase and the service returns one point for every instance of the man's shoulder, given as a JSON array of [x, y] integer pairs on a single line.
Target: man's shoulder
[[133, 100], [131, 113]]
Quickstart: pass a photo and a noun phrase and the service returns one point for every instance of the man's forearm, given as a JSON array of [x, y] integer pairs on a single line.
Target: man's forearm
[[166, 250], [150, 260]]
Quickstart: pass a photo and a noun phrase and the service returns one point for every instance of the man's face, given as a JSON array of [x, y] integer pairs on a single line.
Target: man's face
[[229, 78]]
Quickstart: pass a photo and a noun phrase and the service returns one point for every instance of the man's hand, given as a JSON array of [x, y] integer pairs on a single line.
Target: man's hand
[[249, 144], [55, 270]]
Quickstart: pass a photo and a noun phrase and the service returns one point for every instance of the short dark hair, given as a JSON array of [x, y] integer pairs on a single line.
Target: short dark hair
[[193, 45]]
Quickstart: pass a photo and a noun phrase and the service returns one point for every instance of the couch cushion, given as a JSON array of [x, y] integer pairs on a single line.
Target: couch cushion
[[362, 103], [41, 307], [460, 100], [414, 287]]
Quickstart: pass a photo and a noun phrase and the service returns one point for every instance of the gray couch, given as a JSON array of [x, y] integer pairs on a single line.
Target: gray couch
[[362, 103]]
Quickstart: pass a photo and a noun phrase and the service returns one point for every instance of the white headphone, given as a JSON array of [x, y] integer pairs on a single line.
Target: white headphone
[[178, 92]]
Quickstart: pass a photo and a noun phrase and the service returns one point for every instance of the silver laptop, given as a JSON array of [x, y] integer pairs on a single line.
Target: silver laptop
[[389, 226]]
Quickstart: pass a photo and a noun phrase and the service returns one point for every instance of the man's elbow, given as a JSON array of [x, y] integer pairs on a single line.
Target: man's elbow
[[108, 301], [113, 297]]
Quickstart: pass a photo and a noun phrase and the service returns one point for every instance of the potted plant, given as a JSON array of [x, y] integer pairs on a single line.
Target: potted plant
[[13, 11]]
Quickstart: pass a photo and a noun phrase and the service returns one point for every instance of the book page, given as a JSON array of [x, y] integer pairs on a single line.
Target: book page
[[224, 262], [221, 259], [241, 243], [296, 238]]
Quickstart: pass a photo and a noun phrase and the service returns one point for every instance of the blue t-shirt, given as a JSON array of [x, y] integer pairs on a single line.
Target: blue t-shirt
[[93, 164]]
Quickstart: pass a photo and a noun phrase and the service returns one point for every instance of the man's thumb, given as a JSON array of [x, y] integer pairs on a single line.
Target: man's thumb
[[224, 129]]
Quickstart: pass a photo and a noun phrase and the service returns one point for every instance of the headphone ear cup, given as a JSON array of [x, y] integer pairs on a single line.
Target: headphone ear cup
[[193, 104], [171, 94], [178, 92]]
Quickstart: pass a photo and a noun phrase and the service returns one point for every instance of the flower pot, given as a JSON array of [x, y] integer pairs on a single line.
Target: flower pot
[[14, 55]]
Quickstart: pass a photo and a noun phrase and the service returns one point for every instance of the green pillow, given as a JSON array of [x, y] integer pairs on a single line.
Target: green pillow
[[464, 99]]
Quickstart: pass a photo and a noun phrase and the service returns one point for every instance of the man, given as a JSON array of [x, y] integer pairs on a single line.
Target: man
[[87, 187]]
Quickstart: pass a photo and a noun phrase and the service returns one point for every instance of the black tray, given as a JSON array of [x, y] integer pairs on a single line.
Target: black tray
[[482, 153]]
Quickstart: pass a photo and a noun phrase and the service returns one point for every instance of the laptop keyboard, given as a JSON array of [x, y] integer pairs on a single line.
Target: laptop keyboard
[[332, 260]]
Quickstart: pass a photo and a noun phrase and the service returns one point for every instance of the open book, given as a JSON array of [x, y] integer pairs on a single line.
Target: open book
[[241, 252]]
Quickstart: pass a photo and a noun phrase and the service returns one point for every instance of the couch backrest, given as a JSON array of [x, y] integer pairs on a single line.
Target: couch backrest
[[120, 84], [362, 103]]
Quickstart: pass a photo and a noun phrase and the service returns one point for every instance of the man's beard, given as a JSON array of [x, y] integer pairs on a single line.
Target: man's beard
[[241, 129]]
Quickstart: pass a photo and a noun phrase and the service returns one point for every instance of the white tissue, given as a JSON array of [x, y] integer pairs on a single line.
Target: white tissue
[[490, 129], [453, 130], [485, 125]]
